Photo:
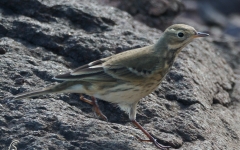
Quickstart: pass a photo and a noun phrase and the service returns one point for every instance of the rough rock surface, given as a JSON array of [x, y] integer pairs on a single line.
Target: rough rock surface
[[154, 13], [194, 107]]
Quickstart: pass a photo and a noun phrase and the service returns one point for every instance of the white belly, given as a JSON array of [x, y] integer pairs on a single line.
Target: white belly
[[121, 94]]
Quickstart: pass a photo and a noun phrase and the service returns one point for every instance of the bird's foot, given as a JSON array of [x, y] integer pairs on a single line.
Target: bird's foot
[[142, 140], [160, 145], [154, 141], [151, 138], [95, 106]]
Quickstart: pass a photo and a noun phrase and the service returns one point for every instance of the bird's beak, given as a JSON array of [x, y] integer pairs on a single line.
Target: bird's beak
[[200, 34]]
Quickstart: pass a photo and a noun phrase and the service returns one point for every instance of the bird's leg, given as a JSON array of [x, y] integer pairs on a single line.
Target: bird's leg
[[95, 107], [151, 139]]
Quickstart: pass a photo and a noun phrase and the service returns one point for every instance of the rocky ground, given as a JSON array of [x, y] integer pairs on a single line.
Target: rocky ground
[[196, 107]]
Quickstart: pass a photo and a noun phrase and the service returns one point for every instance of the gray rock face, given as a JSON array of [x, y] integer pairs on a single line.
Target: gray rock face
[[154, 13], [196, 106]]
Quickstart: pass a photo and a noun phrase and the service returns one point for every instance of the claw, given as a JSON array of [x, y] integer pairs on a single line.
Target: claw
[[95, 106], [160, 145], [99, 113], [142, 140], [151, 138]]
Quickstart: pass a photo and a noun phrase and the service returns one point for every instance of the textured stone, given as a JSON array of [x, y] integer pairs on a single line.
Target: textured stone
[[196, 106], [154, 13]]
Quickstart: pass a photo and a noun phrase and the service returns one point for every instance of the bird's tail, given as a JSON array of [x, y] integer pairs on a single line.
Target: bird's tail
[[32, 94], [53, 89]]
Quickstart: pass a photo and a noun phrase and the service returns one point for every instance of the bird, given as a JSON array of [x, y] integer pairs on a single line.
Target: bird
[[126, 77]]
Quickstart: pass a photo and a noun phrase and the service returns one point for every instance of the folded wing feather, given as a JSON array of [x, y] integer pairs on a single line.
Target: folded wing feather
[[108, 69]]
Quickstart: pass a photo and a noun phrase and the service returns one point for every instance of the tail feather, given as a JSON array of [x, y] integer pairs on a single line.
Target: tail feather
[[59, 88], [32, 94]]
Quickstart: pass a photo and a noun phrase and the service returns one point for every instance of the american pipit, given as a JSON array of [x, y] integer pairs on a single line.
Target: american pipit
[[126, 77]]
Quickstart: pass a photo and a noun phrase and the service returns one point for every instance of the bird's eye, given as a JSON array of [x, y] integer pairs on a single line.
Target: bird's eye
[[180, 34]]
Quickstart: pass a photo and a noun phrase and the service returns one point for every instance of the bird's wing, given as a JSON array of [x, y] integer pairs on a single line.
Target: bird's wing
[[92, 71], [131, 65]]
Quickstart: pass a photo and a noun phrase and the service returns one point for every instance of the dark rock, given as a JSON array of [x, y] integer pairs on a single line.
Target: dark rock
[[154, 13], [233, 27], [215, 13], [2, 51], [211, 15], [223, 6], [195, 107]]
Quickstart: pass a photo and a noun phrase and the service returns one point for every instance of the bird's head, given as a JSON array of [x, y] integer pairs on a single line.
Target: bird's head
[[179, 35]]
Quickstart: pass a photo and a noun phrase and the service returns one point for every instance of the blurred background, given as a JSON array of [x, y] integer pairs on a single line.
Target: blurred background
[[217, 15]]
